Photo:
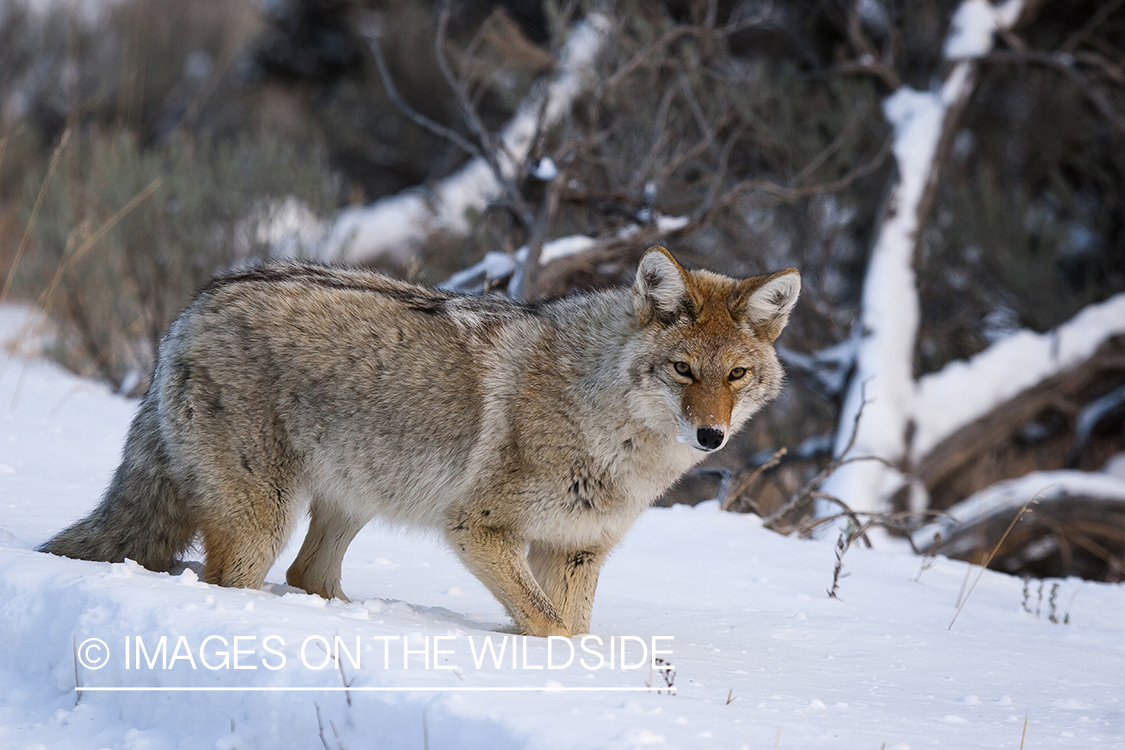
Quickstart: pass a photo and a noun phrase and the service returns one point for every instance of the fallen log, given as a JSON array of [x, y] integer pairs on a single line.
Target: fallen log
[[1034, 429], [1075, 526]]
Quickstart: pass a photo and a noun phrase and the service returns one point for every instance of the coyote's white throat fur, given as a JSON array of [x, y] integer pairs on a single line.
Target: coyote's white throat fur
[[532, 436]]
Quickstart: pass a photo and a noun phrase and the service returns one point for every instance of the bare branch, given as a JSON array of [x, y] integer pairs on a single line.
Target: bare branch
[[811, 490], [783, 192], [414, 115], [860, 528], [1065, 63], [696, 109], [460, 91], [671, 36], [525, 283], [774, 461], [490, 145], [870, 60], [1100, 16]]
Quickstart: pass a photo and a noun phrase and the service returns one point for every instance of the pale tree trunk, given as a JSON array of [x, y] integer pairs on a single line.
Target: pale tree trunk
[[396, 225], [888, 326]]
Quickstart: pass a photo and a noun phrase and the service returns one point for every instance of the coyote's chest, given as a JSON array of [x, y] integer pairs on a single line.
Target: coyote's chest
[[602, 495]]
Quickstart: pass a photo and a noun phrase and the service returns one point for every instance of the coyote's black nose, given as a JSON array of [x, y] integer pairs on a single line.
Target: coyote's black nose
[[709, 438]]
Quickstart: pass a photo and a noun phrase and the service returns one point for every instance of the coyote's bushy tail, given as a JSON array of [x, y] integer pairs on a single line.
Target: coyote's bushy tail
[[143, 516]]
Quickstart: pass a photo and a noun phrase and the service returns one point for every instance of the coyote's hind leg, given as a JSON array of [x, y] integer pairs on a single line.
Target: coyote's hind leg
[[317, 567], [244, 530]]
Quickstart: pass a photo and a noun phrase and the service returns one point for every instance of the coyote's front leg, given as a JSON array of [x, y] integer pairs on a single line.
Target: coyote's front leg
[[569, 577], [497, 558]]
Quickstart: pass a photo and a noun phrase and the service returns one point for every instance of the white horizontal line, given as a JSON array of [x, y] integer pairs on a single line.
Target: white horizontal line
[[375, 689]]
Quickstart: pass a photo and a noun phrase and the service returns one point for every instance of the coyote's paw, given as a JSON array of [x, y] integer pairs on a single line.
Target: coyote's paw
[[544, 629]]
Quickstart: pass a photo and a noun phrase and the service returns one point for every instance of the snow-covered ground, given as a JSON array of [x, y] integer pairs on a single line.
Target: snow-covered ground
[[763, 657]]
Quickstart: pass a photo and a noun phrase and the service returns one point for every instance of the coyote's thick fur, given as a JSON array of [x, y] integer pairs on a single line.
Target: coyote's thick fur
[[531, 435]]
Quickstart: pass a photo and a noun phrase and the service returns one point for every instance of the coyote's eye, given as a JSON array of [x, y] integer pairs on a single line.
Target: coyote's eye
[[737, 373], [682, 368]]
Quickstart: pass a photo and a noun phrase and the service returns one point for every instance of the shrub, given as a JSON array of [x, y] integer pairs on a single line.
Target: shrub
[[204, 205]]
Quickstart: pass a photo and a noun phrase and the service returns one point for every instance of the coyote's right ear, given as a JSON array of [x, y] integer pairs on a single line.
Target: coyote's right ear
[[765, 301], [661, 290]]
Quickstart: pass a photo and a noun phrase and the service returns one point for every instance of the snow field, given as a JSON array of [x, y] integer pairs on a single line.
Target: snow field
[[761, 654]]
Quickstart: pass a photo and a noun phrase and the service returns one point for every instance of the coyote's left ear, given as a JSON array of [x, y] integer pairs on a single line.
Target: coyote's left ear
[[765, 301], [661, 291]]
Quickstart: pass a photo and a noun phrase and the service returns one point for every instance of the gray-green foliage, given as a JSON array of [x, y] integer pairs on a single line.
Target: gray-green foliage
[[210, 202]]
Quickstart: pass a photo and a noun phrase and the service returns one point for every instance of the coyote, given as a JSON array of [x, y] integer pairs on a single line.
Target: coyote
[[531, 435]]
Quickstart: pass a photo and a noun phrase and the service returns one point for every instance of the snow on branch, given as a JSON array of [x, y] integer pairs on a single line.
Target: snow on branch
[[496, 266], [396, 224], [1006, 498], [965, 390], [975, 23], [890, 306]]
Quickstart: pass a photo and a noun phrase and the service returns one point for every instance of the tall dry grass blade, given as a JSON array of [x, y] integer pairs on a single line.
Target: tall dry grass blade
[[77, 682], [51, 166], [3, 148], [964, 585], [47, 298], [988, 559], [1024, 735], [105, 227]]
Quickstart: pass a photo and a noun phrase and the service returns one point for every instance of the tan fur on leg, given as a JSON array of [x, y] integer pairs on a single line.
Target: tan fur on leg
[[569, 578], [499, 561], [241, 544], [317, 567]]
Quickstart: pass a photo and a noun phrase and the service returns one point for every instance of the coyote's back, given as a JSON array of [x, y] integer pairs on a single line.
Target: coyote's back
[[509, 427]]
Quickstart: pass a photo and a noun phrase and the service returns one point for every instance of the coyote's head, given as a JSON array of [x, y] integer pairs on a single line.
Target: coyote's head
[[705, 355]]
